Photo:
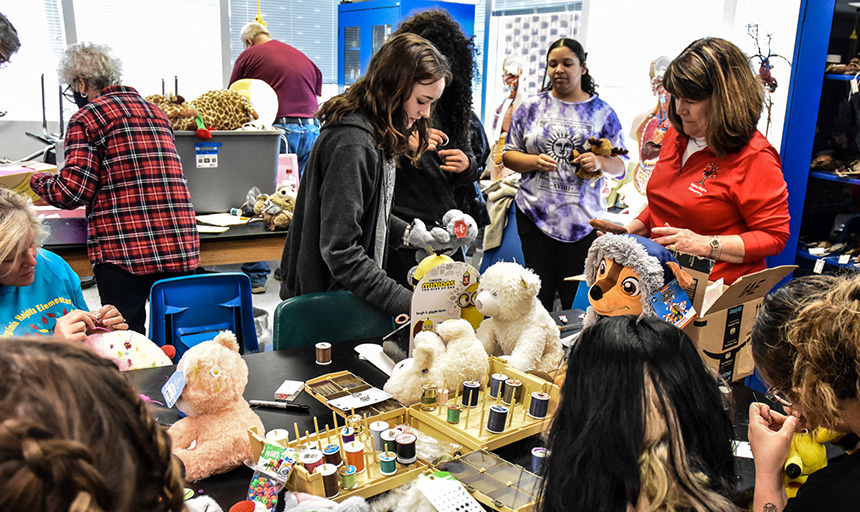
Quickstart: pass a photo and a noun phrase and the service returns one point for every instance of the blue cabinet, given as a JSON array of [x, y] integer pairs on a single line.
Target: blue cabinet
[[363, 27]]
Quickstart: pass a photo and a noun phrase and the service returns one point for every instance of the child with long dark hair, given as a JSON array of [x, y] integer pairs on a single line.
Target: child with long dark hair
[[641, 425]]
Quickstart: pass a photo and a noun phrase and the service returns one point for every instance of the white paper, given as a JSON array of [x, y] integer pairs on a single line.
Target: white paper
[[361, 399], [223, 219], [202, 228], [713, 292], [373, 353], [742, 449]]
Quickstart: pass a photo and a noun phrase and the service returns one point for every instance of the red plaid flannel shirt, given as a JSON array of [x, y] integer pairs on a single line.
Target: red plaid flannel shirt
[[121, 162]]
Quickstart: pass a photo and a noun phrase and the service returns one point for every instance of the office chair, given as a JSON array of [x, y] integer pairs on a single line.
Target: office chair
[[327, 316], [184, 311]]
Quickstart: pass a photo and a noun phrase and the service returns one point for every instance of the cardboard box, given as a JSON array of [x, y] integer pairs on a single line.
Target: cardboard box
[[16, 177], [721, 329]]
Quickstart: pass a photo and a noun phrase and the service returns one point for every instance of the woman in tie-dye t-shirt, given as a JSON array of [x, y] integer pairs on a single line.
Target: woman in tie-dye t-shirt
[[553, 204]]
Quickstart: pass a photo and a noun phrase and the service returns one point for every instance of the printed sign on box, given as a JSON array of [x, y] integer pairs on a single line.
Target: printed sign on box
[[445, 292]]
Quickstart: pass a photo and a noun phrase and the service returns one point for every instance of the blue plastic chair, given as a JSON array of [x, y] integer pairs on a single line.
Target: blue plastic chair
[[510, 250], [580, 301], [327, 316], [184, 311]]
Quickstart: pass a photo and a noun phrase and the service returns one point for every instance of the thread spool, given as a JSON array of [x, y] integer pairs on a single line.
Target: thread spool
[[279, 436], [347, 477], [323, 350], [470, 393], [513, 390], [442, 397], [354, 452], [388, 437], [428, 397], [376, 430], [406, 448], [386, 463], [354, 421], [347, 434], [311, 459], [496, 421], [329, 478], [331, 454], [538, 456], [454, 413], [539, 405], [497, 384]]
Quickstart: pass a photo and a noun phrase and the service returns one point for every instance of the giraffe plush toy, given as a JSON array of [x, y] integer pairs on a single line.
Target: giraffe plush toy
[[221, 109]]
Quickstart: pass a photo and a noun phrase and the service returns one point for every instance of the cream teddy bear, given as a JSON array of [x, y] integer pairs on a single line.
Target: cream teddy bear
[[519, 326], [213, 437]]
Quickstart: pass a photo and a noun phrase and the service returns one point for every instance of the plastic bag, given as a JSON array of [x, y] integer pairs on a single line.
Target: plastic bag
[[271, 474], [247, 209]]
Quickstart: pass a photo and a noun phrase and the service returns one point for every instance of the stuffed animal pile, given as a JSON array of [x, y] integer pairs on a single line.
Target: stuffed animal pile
[[213, 438], [220, 109], [446, 357], [277, 209], [519, 326]]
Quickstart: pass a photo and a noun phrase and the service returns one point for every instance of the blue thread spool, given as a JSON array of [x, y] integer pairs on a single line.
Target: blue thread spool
[[470, 393], [386, 463], [538, 456], [498, 416], [539, 405], [497, 384], [348, 434], [332, 455]]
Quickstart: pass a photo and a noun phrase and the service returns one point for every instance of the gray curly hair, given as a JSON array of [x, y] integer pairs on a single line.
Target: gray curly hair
[[8, 36], [94, 63]]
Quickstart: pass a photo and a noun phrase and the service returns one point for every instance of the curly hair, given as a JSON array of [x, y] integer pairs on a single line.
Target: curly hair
[[9, 41], [74, 435], [400, 63], [94, 63], [651, 431], [588, 84], [17, 219], [453, 110], [717, 69], [806, 343]]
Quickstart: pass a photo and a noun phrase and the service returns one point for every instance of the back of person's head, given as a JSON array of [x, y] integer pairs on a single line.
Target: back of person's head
[[17, 218], [717, 69], [437, 26], [74, 435], [806, 344], [251, 30], [641, 423], [9, 42], [400, 63], [95, 63], [588, 84]]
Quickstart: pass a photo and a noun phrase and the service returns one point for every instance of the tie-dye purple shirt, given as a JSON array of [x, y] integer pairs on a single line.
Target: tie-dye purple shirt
[[560, 203]]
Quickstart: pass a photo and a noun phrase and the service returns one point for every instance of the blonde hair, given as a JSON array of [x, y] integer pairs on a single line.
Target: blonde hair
[[252, 30], [17, 218]]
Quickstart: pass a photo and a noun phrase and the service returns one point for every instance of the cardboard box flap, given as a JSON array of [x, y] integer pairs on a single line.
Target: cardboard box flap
[[750, 287]]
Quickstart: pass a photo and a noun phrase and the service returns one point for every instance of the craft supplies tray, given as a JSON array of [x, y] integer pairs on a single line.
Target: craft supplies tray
[[340, 384], [494, 481], [471, 430], [368, 483]]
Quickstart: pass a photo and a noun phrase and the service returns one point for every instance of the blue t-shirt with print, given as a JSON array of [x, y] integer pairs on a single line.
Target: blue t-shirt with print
[[33, 310], [560, 203]]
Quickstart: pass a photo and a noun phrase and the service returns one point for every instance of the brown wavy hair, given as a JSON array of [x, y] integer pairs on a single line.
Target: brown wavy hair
[[74, 435], [717, 69], [403, 61], [806, 343]]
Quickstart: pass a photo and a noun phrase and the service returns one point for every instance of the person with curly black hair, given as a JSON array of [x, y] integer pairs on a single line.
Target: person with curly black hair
[[427, 190]]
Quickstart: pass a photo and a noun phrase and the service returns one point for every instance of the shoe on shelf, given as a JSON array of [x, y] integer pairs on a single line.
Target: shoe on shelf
[[258, 289]]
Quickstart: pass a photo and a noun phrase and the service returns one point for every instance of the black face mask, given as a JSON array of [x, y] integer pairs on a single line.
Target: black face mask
[[80, 99]]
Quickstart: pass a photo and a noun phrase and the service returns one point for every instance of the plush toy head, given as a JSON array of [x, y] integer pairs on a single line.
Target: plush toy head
[[457, 231], [623, 271], [600, 147], [806, 455], [505, 284], [277, 209], [213, 437], [408, 377]]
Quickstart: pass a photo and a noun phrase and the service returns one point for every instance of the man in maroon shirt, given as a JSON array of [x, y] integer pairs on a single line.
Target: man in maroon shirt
[[297, 82]]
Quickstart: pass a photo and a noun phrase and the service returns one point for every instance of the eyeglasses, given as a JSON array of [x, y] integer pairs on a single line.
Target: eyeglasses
[[69, 93], [777, 396]]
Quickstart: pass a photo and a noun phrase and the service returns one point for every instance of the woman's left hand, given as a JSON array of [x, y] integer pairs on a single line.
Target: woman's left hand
[[109, 317], [588, 162], [453, 160], [682, 240]]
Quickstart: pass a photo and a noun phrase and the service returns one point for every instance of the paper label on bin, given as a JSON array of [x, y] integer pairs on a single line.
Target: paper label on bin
[[206, 154], [361, 399]]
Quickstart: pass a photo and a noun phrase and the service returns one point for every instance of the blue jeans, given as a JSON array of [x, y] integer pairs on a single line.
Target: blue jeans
[[258, 272], [300, 139]]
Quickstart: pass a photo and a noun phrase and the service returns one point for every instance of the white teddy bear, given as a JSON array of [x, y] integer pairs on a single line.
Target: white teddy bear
[[519, 326], [447, 357]]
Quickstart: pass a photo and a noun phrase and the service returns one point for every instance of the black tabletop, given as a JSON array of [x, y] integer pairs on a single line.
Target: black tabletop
[[266, 371]]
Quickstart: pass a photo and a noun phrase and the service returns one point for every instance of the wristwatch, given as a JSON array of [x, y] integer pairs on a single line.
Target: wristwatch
[[715, 247]]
